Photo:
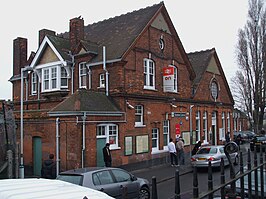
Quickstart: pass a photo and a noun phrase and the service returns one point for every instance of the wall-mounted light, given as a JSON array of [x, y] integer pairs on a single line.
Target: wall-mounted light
[[174, 106], [129, 105]]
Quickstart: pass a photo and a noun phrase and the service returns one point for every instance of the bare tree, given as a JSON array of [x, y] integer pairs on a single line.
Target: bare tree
[[249, 82]]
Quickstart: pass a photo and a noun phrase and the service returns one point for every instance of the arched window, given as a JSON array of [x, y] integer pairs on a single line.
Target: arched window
[[149, 74]]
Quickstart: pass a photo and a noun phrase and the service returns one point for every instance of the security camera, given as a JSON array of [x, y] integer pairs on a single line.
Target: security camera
[[130, 106]]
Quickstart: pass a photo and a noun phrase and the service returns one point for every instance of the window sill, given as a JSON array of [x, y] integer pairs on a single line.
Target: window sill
[[150, 88], [140, 126], [158, 151], [115, 148], [100, 87]]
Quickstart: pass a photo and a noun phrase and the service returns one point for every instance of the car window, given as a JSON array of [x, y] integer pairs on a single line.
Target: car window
[[121, 176], [75, 179], [102, 177], [207, 150], [221, 150]]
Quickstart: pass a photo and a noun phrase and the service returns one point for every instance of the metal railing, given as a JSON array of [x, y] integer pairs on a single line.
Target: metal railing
[[227, 189]]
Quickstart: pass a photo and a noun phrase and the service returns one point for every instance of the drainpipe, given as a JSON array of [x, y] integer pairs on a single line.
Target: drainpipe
[[57, 145], [106, 72], [83, 140]]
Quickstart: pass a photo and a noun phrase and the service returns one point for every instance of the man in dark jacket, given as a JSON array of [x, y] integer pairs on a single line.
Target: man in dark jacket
[[49, 168], [107, 155]]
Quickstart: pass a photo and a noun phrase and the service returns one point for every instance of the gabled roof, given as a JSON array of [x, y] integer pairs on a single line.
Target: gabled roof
[[199, 61], [93, 103], [118, 33], [60, 47]]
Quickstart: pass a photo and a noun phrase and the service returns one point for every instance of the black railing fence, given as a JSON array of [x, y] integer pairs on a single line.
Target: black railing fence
[[254, 182]]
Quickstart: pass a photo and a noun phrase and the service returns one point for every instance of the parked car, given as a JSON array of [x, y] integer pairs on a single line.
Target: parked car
[[244, 137], [46, 189], [250, 135], [258, 141], [213, 154], [246, 190], [113, 181]]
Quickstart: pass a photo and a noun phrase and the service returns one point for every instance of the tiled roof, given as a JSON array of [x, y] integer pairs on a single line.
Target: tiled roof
[[199, 61], [118, 33], [62, 45], [87, 101]]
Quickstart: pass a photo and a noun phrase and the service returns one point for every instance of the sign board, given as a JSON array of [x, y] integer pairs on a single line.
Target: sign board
[[168, 79], [178, 114], [177, 130]]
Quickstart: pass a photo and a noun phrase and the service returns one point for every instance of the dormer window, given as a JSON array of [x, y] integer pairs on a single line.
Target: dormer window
[[102, 81], [82, 75]]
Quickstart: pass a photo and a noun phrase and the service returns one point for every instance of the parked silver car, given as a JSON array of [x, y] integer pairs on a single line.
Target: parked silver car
[[213, 154], [116, 182]]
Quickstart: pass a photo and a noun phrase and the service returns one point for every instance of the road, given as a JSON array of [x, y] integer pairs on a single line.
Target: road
[[165, 189]]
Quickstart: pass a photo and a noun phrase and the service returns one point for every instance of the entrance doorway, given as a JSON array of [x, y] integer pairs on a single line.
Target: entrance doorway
[[100, 144], [37, 156]]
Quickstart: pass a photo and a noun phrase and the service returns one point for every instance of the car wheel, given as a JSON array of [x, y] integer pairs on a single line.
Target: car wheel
[[236, 162], [144, 193]]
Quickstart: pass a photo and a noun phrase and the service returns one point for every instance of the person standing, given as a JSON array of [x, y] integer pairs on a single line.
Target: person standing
[[227, 137], [49, 168], [180, 151], [196, 148], [107, 155], [172, 152]]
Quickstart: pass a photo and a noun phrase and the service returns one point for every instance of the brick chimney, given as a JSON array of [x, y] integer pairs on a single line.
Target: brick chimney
[[43, 33], [76, 32], [20, 51]]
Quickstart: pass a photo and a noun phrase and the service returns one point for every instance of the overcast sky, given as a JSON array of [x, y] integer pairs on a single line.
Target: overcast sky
[[200, 24]]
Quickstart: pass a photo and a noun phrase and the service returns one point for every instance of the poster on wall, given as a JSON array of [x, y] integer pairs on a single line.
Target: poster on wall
[[168, 79], [186, 137], [128, 145], [142, 144]]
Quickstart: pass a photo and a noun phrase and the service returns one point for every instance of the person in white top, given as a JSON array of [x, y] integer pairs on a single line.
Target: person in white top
[[172, 151]]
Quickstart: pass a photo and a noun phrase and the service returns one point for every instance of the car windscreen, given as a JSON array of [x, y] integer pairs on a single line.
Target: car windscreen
[[207, 150], [74, 179], [260, 138]]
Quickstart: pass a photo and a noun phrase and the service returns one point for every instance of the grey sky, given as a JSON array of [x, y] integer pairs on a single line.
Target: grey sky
[[200, 25]]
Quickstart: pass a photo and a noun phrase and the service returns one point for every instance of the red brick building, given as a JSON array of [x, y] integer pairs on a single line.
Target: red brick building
[[137, 94]]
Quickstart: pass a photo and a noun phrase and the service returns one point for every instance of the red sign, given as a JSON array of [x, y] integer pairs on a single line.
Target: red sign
[[168, 71], [177, 129]]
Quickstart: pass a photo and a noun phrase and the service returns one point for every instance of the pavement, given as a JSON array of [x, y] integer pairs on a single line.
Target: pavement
[[163, 172]]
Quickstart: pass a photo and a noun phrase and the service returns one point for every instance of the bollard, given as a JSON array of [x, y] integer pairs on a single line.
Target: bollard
[[210, 181], [195, 183], [222, 179], [242, 193], [177, 185], [249, 175], [154, 188]]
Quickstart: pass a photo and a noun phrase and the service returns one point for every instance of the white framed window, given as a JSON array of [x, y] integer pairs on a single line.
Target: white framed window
[[46, 79], [165, 133], [82, 75], [149, 74], [64, 79], [54, 78], [205, 125], [110, 132], [198, 125], [155, 139], [228, 122], [33, 83], [102, 81], [223, 125], [139, 115], [175, 79]]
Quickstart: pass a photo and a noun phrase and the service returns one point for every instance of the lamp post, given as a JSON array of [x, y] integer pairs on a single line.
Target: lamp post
[[21, 166], [190, 126]]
